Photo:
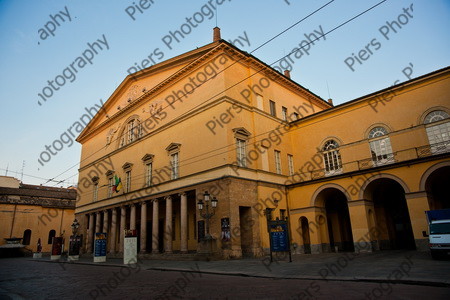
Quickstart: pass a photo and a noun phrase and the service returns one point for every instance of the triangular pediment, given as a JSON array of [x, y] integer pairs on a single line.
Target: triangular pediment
[[141, 85], [241, 131], [173, 147], [147, 157], [127, 166]]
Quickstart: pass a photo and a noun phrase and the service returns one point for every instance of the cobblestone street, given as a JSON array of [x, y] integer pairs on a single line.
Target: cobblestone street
[[23, 278]]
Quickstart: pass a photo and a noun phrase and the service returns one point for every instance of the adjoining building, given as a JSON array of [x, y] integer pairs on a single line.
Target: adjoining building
[[33, 212], [356, 177]]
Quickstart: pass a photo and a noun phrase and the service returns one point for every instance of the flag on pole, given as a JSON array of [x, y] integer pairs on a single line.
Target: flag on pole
[[117, 184]]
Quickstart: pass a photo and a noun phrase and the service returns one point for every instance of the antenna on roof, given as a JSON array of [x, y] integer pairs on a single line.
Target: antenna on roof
[[7, 167], [217, 12], [328, 88], [23, 166]]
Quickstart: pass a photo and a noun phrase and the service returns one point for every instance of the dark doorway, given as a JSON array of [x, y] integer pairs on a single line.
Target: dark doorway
[[338, 219], [392, 215], [246, 225], [149, 237], [305, 235], [436, 185], [161, 235]]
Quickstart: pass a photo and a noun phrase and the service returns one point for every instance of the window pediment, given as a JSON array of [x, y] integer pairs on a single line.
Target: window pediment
[[147, 158], [109, 173], [173, 147], [241, 133], [127, 166]]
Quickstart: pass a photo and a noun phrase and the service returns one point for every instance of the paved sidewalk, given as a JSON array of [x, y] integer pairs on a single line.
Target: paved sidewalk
[[408, 267]]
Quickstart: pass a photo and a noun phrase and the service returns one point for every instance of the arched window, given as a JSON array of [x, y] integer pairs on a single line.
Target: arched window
[[332, 158], [26, 237], [51, 235], [438, 131], [380, 146], [131, 132]]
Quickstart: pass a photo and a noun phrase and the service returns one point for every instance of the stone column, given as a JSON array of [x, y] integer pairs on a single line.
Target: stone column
[[143, 227], [184, 224], [133, 217], [97, 222], [168, 229], [123, 215], [105, 221], [362, 215], [155, 228], [113, 230], [90, 233], [417, 205]]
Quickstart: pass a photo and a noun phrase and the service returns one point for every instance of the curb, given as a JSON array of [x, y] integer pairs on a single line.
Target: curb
[[240, 274]]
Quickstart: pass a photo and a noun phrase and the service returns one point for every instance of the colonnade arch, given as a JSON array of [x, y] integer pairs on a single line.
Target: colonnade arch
[[391, 214]]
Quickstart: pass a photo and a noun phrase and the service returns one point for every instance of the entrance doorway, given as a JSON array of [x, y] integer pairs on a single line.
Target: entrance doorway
[[246, 225], [392, 215]]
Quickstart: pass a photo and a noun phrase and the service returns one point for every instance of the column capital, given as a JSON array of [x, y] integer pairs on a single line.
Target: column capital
[[182, 194], [168, 198]]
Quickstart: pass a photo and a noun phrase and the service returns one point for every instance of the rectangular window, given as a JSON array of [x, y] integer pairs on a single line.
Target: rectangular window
[[128, 182], [273, 110], [439, 137], [95, 192], [381, 151], [278, 161], [131, 132], [174, 163], [284, 113], [265, 159], [259, 102], [291, 164], [110, 186], [148, 174], [241, 153]]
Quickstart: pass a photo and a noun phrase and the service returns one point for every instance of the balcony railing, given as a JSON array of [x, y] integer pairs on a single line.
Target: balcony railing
[[368, 163], [433, 149]]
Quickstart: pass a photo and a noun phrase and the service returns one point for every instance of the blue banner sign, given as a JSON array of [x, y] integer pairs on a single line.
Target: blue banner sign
[[100, 244], [279, 237]]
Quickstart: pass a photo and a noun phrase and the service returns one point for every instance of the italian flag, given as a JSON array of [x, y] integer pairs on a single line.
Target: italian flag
[[117, 185]]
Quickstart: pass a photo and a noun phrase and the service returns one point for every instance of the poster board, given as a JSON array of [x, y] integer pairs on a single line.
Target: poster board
[[57, 244], [130, 247], [75, 246], [100, 247]]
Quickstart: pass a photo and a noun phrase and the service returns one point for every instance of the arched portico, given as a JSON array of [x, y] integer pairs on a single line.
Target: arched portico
[[336, 234], [392, 219]]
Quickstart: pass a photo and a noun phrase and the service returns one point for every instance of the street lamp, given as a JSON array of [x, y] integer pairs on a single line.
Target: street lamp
[[74, 242], [207, 214], [75, 225]]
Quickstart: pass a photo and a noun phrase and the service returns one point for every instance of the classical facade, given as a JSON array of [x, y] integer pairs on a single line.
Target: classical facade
[[33, 212], [217, 119]]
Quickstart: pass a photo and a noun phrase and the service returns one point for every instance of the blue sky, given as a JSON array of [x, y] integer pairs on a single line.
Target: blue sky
[[30, 56]]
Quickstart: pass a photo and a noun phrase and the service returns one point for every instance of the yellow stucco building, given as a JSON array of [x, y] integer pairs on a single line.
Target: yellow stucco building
[[33, 212], [357, 176]]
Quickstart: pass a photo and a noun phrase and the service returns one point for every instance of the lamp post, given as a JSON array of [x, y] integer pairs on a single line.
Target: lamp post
[[75, 225], [74, 242], [206, 214]]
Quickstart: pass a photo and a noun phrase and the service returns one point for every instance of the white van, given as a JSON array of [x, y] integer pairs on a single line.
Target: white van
[[439, 228]]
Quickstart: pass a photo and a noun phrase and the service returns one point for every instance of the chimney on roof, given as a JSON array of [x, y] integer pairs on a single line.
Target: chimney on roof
[[330, 101], [287, 73], [216, 34]]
